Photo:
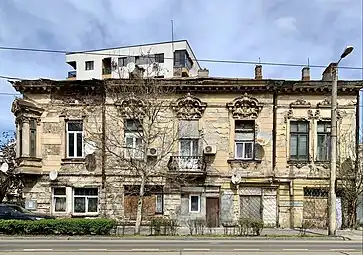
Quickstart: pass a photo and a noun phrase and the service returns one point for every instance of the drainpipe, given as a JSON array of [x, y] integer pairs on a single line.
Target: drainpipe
[[274, 123], [103, 119]]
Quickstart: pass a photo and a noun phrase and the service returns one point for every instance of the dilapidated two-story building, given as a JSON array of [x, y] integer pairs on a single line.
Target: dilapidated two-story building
[[255, 148]]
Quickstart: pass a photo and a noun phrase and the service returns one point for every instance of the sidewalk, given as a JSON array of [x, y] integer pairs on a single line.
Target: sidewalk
[[268, 233]]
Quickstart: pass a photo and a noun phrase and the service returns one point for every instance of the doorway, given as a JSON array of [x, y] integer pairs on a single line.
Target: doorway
[[212, 210]]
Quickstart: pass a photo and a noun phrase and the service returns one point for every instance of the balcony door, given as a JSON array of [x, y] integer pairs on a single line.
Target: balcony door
[[189, 153]]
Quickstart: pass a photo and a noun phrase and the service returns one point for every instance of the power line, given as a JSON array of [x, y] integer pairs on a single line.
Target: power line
[[199, 60]]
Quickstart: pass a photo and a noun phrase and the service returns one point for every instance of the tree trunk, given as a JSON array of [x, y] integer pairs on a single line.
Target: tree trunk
[[140, 206]]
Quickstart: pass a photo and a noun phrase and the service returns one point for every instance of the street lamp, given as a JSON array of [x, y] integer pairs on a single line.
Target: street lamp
[[333, 161]]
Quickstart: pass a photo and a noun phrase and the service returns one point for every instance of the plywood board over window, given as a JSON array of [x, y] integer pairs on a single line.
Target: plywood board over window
[[152, 202]]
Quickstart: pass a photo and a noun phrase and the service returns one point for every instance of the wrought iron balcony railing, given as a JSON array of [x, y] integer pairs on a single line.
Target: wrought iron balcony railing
[[193, 164]]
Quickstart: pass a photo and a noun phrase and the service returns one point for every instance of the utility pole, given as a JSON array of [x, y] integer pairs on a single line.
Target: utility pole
[[333, 147]]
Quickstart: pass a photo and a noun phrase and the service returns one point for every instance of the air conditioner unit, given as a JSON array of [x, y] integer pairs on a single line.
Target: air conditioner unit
[[210, 149], [152, 152]]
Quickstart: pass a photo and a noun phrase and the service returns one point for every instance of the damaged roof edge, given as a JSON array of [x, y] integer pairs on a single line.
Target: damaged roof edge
[[196, 82]]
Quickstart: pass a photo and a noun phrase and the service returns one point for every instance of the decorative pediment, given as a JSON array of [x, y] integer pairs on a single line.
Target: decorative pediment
[[326, 103], [189, 107], [21, 106], [73, 113], [131, 107], [245, 107], [300, 103]]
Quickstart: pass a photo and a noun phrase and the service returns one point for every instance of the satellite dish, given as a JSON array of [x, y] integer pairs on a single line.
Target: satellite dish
[[53, 175], [131, 66], [4, 167], [236, 178], [263, 138], [89, 147]]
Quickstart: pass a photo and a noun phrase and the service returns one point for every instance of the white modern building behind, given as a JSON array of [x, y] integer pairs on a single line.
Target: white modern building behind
[[164, 60]]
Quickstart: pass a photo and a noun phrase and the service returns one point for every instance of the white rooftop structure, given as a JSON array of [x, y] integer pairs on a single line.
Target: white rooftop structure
[[163, 60]]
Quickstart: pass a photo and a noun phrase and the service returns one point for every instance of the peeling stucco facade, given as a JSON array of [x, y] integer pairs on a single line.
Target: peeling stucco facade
[[271, 177]]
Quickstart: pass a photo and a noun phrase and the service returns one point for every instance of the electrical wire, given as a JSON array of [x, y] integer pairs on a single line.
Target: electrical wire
[[199, 60]]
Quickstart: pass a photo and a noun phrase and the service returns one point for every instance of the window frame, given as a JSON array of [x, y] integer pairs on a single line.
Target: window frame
[[244, 141], [32, 142], [327, 136], [123, 60], [89, 65], [190, 203], [161, 196], [299, 134], [86, 197], [54, 197], [20, 140], [135, 133], [159, 57], [74, 140]]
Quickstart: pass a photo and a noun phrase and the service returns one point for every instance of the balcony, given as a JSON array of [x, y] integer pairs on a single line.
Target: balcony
[[194, 165], [72, 75]]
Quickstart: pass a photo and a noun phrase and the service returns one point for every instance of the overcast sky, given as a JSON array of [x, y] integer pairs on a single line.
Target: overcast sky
[[287, 31]]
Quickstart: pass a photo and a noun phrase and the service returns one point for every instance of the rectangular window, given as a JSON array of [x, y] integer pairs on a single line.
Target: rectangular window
[[59, 200], [159, 203], [75, 139], [33, 137], [21, 139], [194, 203], [122, 61], [182, 59], [159, 58], [299, 140], [85, 200], [133, 139], [89, 65], [323, 134], [244, 139]]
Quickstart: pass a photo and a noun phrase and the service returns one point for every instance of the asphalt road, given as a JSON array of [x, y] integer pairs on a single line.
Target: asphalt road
[[184, 247]]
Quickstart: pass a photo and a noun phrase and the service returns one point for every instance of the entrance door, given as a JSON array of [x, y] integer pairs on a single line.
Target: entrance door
[[212, 212]]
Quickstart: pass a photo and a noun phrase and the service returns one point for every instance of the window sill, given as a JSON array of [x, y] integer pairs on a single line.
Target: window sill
[[81, 215], [298, 163], [237, 160], [73, 161], [34, 159]]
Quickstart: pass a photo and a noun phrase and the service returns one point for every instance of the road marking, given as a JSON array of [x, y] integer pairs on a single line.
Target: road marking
[[196, 249], [295, 249], [92, 249], [343, 249], [37, 249], [145, 249], [246, 249]]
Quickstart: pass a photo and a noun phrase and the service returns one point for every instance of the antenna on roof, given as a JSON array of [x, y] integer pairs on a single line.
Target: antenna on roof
[[308, 62], [259, 60], [172, 35]]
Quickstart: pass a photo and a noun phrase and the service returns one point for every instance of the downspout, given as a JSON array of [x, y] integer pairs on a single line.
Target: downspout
[[274, 123], [274, 131], [357, 127], [357, 142], [103, 119]]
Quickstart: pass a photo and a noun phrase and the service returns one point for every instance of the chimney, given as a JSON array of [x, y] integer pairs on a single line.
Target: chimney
[[305, 74], [258, 72], [327, 74], [203, 72]]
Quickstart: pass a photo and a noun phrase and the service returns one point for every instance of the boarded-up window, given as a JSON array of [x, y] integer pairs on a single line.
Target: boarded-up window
[[152, 201], [251, 207], [130, 206], [188, 129]]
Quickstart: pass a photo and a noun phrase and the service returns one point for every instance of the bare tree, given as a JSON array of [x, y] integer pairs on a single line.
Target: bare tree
[[10, 182], [140, 134], [350, 176]]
